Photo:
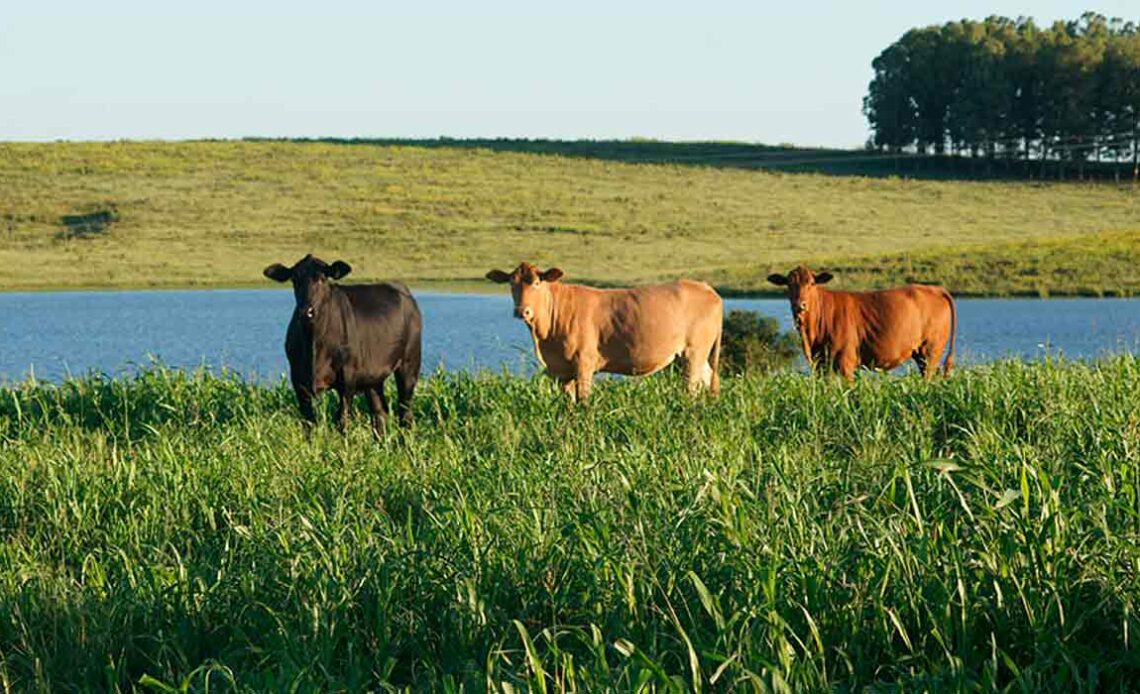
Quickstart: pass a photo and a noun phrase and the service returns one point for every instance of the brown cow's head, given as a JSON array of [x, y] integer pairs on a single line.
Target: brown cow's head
[[803, 290], [310, 278], [530, 288]]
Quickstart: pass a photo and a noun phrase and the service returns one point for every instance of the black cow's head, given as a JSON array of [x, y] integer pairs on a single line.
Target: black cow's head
[[310, 278]]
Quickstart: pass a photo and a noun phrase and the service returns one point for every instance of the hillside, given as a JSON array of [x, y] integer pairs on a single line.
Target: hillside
[[215, 213]]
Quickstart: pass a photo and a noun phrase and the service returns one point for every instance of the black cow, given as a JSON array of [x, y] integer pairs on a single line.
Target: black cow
[[350, 338]]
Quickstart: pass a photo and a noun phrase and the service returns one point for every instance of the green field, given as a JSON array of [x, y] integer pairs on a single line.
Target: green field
[[439, 213], [793, 535]]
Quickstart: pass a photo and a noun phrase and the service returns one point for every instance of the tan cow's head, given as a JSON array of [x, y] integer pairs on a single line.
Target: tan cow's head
[[803, 290], [530, 288]]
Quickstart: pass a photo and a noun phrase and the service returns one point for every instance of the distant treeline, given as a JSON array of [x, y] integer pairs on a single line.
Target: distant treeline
[[1049, 101]]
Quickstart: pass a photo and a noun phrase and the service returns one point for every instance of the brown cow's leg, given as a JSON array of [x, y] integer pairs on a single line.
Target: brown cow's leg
[[922, 361], [819, 363], [344, 410], [378, 406], [845, 363]]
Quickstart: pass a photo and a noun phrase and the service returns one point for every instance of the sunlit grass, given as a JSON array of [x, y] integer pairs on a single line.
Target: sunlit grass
[[215, 213], [795, 534]]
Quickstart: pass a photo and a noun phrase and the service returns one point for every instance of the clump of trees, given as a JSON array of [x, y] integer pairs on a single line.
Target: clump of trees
[[1001, 88], [753, 343]]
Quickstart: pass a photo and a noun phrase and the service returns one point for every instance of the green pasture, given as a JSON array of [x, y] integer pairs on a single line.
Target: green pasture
[[440, 214], [176, 530]]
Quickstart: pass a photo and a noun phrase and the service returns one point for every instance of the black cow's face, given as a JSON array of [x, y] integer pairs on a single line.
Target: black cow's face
[[803, 290], [310, 277], [530, 289]]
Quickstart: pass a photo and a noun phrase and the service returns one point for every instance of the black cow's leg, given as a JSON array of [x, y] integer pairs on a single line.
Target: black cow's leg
[[344, 410], [305, 403], [406, 379], [378, 406]]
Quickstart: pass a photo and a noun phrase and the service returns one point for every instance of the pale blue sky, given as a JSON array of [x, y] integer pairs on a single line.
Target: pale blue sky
[[786, 72]]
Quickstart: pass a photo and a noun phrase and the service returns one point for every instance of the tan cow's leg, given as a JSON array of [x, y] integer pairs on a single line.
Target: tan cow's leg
[[570, 387], [698, 373]]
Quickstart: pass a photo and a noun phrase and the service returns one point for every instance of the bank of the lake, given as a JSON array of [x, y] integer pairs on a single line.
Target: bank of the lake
[[975, 532]]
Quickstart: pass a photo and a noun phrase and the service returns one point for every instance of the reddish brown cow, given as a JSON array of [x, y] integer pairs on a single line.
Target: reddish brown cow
[[879, 330], [579, 330]]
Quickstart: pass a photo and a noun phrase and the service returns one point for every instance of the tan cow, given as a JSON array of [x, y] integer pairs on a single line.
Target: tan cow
[[881, 330], [580, 330]]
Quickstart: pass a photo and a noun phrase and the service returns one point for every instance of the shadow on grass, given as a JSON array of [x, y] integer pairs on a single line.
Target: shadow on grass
[[757, 157]]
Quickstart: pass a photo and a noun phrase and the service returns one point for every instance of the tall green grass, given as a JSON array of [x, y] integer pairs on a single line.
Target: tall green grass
[[176, 530]]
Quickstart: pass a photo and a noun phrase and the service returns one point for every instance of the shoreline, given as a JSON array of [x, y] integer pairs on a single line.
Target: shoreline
[[469, 287]]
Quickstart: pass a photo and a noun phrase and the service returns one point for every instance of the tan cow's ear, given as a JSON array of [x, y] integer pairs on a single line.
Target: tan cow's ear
[[277, 272], [551, 275], [823, 278], [778, 279], [498, 276]]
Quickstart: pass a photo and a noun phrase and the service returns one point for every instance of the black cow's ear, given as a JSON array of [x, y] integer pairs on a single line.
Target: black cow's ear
[[823, 278], [551, 275], [498, 276], [778, 279], [278, 272], [338, 269]]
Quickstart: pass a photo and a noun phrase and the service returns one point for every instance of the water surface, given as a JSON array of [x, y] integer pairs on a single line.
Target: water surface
[[56, 334]]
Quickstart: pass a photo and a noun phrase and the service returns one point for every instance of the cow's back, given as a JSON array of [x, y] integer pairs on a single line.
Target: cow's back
[[885, 326], [384, 320], [643, 328]]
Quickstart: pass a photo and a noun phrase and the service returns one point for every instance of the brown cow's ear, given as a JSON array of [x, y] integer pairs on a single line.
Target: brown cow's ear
[[551, 275], [498, 276], [778, 279], [338, 269], [277, 272], [823, 278]]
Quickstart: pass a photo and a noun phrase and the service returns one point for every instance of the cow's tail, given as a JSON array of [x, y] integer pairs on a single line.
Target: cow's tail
[[714, 362], [949, 363]]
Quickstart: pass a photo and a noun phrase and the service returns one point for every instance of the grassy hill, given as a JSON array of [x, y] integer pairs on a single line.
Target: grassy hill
[[139, 214]]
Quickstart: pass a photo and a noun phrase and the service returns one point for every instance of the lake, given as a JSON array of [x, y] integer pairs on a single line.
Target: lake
[[56, 334]]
